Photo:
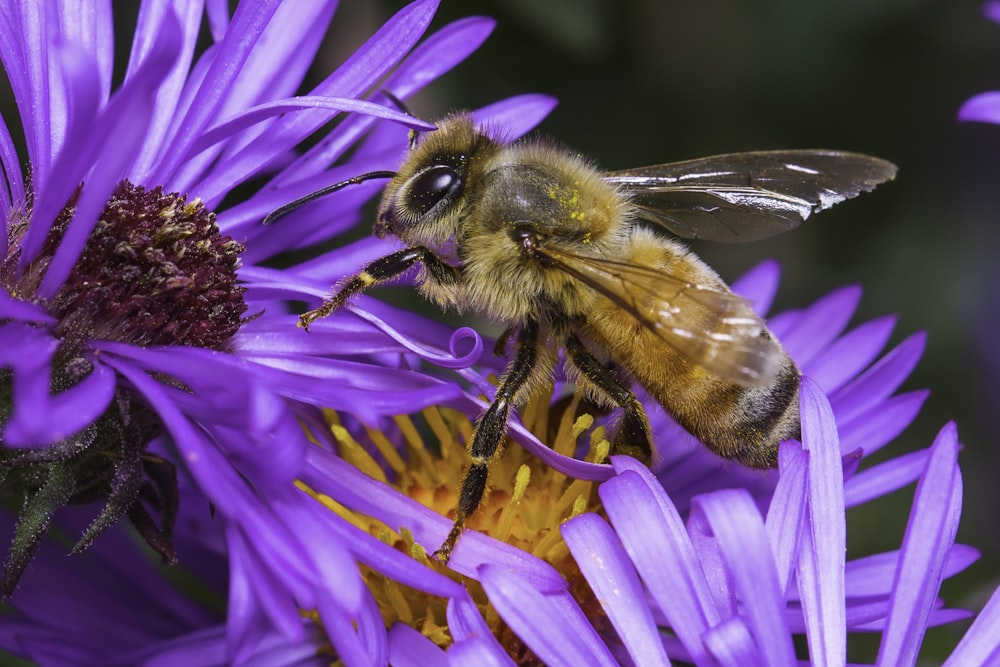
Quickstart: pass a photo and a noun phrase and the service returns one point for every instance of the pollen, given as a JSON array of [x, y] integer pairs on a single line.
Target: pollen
[[424, 456]]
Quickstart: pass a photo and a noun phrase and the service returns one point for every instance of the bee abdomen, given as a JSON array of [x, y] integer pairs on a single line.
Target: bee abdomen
[[762, 417]]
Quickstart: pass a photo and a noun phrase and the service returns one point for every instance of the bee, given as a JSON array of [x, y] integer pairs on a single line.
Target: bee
[[535, 237]]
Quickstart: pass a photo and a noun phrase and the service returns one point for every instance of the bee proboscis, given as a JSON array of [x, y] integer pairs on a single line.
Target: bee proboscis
[[540, 240]]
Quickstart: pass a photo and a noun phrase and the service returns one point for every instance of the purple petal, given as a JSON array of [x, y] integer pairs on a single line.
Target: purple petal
[[979, 646], [732, 517], [759, 285], [515, 116], [876, 428], [466, 623], [358, 73], [658, 545], [152, 15], [884, 478], [15, 309], [553, 626], [24, 45], [821, 565], [439, 53], [818, 325], [605, 565], [352, 488], [981, 108], [930, 534], [732, 645], [395, 565], [877, 383], [479, 651], [849, 354], [121, 125], [409, 648], [784, 516]]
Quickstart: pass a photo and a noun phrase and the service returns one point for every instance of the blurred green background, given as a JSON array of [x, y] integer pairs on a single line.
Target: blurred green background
[[648, 81]]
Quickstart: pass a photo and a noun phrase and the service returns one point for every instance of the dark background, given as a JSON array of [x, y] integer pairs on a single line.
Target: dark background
[[647, 81]]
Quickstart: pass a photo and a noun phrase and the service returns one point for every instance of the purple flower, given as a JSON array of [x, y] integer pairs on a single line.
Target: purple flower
[[149, 366]]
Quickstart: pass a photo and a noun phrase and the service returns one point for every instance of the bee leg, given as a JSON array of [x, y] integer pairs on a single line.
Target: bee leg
[[379, 271], [490, 431], [632, 437], [500, 347]]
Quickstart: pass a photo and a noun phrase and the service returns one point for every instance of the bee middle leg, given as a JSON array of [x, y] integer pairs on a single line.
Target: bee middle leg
[[632, 437], [490, 431]]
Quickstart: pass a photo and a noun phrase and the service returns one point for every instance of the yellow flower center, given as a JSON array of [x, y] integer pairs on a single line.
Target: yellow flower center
[[526, 504]]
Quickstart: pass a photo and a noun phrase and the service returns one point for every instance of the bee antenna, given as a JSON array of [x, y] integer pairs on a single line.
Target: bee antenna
[[284, 210]]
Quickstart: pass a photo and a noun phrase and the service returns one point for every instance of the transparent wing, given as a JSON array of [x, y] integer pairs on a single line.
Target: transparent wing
[[715, 329], [747, 196]]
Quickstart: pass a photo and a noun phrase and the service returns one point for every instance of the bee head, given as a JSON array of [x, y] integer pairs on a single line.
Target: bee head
[[424, 202]]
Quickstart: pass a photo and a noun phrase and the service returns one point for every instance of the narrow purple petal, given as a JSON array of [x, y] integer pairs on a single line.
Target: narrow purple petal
[[25, 311], [331, 475], [90, 25], [122, 125], [409, 648], [24, 45], [849, 354], [241, 166], [227, 61], [732, 517], [824, 538], [188, 14], [552, 626], [878, 427], [759, 285], [885, 478], [384, 50], [981, 108], [784, 516], [658, 545], [516, 115], [437, 54], [12, 185], [479, 651], [466, 623], [605, 565], [731, 643], [818, 325], [357, 639], [930, 534], [60, 415], [880, 381], [979, 646], [395, 565]]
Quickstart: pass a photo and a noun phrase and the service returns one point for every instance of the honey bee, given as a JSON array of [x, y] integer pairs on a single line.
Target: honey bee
[[537, 238]]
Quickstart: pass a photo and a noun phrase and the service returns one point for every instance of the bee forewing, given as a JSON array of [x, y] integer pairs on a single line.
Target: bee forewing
[[714, 329], [747, 196]]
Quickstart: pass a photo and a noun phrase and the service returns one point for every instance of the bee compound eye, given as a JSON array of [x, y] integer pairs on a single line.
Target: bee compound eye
[[431, 186]]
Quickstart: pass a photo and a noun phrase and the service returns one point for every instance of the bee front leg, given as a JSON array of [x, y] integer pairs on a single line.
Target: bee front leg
[[632, 437], [379, 271], [490, 431]]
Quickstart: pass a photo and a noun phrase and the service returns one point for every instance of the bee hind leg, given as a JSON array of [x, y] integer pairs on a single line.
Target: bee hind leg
[[490, 431], [632, 437]]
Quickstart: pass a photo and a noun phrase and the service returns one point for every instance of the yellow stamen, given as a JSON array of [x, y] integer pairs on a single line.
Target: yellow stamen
[[525, 506]]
